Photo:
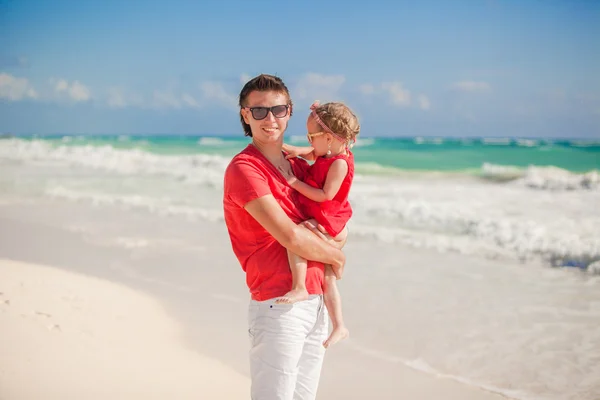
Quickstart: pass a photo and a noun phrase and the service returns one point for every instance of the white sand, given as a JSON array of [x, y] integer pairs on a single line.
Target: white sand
[[115, 343], [68, 336]]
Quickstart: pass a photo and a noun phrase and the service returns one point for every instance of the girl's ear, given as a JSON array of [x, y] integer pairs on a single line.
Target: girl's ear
[[329, 138]]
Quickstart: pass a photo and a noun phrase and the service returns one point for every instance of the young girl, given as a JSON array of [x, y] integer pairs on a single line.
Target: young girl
[[332, 129]]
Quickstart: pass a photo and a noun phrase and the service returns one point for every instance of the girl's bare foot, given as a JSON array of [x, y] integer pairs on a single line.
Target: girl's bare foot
[[293, 296], [338, 333]]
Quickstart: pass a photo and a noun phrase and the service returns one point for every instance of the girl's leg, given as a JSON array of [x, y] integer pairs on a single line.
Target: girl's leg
[[333, 302], [298, 292]]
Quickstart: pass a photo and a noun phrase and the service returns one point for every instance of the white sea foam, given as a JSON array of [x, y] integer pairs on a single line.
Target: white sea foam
[[526, 142], [544, 178], [497, 141], [584, 143], [211, 141], [473, 218], [553, 178], [160, 206], [500, 216], [501, 172], [428, 140], [364, 142], [201, 169]]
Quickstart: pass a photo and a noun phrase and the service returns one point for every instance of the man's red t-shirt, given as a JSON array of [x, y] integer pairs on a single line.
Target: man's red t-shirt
[[250, 176]]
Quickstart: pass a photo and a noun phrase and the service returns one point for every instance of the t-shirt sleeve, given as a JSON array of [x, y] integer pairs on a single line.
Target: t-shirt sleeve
[[244, 182]]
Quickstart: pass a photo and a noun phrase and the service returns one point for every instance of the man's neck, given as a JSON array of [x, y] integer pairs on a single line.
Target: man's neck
[[272, 152]]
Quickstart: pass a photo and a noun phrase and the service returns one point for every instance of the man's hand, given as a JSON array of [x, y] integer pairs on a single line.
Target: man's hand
[[337, 242]]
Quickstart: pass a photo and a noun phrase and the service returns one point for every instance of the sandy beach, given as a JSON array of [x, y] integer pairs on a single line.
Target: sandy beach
[[82, 319], [69, 336]]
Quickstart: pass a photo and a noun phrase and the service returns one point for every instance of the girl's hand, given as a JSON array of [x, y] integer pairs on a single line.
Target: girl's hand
[[295, 151], [288, 174], [292, 151]]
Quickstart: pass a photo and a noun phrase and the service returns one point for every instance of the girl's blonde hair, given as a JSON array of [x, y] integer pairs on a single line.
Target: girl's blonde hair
[[339, 119]]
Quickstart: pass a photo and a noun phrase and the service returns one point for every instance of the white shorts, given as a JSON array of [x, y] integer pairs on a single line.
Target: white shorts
[[286, 348]]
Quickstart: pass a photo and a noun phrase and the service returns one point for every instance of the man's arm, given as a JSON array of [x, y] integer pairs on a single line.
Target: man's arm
[[267, 212]]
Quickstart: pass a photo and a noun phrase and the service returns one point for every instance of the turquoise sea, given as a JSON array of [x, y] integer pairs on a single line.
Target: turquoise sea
[[383, 155], [533, 200]]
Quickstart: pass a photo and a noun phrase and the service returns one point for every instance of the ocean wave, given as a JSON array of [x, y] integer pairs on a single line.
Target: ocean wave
[[163, 206], [497, 141], [553, 178], [424, 140], [364, 142], [527, 142], [584, 143], [501, 173], [469, 218], [543, 178], [377, 169], [199, 169], [211, 141]]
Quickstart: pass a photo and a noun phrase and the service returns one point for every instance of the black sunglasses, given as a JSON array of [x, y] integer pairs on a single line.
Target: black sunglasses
[[259, 113]]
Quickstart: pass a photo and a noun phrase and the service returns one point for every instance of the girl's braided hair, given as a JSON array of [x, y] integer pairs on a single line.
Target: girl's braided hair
[[340, 119]]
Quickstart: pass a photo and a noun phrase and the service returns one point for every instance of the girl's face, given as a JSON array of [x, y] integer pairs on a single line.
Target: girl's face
[[319, 140], [269, 129]]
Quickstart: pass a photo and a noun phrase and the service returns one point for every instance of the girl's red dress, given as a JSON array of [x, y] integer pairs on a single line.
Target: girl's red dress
[[335, 213]]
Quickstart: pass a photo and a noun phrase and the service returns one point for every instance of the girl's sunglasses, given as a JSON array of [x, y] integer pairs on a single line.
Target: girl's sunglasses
[[259, 113], [310, 136]]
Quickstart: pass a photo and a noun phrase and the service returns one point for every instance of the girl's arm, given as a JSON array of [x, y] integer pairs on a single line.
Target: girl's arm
[[335, 176], [267, 212], [295, 151]]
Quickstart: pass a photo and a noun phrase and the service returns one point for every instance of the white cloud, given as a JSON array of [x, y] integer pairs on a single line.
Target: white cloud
[[172, 97], [424, 102], [315, 86], [215, 92], [75, 90], [366, 89], [61, 85], [398, 94], [116, 98], [471, 86], [190, 101], [16, 89], [121, 98], [166, 99], [79, 92]]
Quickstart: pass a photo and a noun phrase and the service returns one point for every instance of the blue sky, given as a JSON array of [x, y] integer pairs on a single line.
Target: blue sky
[[427, 68]]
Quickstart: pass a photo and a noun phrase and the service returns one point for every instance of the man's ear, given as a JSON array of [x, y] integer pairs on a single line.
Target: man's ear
[[244, 114]]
